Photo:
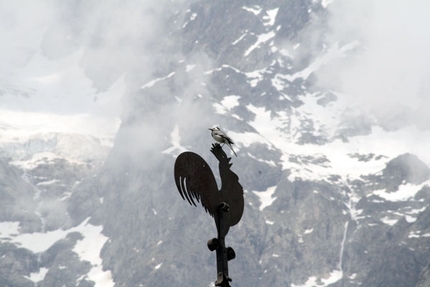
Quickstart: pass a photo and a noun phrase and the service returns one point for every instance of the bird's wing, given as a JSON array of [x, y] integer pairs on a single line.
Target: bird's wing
[[225, 137], [229, 140], [196, 182]]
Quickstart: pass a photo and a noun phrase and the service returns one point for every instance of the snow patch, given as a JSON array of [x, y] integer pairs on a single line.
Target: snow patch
[[307, 231], [230, 101], [313, 281], [414, 234], [410, 219], [153, 82], [89, 248], [262, 38], [158, 266], [405, 192], [284, 52], [39, 242], [318, 162], [189, 67], [8, 229], [48, 182], [270, 18], [238, 39], [219, 109], [192, 18], [175, 139], [37, 276], [389, 221], [335, 276], [268, 162], [255, 77], [266, 197], [226, 104], [254, 10]]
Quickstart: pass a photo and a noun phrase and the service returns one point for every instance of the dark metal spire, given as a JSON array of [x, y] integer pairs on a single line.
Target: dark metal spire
[[196, 182]]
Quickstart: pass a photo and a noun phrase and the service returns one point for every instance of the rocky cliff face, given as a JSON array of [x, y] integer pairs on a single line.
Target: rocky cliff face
[[331, 197], [38, 176]]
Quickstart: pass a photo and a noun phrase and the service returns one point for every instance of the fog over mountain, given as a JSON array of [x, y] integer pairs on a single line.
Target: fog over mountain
[[327, 102]]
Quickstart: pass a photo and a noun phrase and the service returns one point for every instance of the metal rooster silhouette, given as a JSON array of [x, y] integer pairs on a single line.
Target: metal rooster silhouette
[[196, 183]]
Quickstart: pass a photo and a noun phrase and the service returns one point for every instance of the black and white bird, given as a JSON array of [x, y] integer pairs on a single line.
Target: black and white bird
[[221, 137]]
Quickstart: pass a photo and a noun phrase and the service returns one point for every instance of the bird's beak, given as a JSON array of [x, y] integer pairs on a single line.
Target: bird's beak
[[210, 129]]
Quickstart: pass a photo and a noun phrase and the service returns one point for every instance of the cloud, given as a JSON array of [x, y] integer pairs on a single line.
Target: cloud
[[66, 56], [388, 74], [92, 58]]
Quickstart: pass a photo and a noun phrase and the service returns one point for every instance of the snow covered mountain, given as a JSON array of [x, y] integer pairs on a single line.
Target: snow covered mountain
[[331, 140], [42, 162]]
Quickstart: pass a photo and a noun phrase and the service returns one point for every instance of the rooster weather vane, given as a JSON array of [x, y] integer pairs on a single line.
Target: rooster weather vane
[[196, 182]]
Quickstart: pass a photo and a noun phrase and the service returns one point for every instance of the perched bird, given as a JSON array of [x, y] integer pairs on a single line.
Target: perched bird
[[221, 137]]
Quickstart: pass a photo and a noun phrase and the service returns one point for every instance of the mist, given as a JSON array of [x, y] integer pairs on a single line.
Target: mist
[[88, 58], [92, 60], [386, 75]]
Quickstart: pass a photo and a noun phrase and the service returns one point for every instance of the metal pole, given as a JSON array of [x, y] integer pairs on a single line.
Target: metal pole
[[223, 254]]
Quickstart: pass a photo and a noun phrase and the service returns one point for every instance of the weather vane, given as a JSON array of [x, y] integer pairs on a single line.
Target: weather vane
[[196, 182]]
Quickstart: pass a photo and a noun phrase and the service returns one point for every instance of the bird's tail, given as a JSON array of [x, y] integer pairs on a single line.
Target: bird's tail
[[232, 149]]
